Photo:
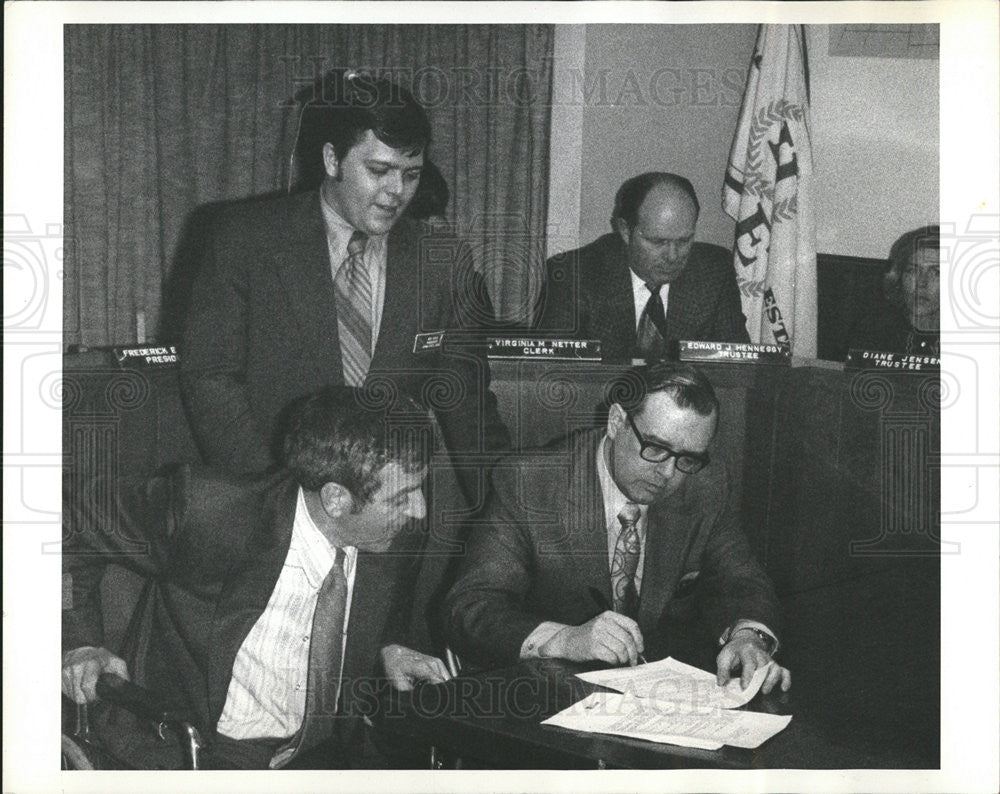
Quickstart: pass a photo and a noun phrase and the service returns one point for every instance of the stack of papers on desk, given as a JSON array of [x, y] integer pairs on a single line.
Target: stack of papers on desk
[[671, 703], [677, 682]]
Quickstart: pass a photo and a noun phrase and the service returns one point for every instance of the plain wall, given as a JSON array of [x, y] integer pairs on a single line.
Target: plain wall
[[654, 98], [875, 147], [633, 98]]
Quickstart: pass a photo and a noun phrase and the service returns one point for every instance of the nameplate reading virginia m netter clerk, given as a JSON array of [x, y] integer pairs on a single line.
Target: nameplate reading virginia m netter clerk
[[737, 352], [548, 348]]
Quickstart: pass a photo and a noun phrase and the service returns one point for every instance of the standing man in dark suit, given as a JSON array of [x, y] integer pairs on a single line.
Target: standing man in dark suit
[[271, 600], [596, 576], [335, 285], [646, 284]]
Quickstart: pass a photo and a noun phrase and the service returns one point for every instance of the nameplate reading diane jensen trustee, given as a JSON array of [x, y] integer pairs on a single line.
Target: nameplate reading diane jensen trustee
[[897, 362]]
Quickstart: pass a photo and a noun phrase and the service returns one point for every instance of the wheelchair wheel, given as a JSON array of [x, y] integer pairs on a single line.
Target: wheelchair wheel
[[73, 756]]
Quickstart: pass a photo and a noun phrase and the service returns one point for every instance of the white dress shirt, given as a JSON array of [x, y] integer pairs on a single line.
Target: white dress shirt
[[338, 235], [640, 296], [267, 693], [614, 501]]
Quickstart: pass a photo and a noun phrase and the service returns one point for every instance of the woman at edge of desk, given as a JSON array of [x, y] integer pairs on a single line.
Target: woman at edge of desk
[[909, 321]]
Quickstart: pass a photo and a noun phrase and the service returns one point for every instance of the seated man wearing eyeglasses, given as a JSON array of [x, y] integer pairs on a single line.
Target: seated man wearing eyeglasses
[[583, 547]]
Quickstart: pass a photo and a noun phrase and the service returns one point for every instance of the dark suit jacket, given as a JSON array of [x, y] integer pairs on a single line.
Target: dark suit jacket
[[888, 329], [542, 544], [212, 546], [262, 329], [588, 295]]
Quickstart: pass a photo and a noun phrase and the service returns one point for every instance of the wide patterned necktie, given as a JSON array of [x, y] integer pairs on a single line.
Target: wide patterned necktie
[[625, 562], [353, 289], [652, 330], [325, 654]]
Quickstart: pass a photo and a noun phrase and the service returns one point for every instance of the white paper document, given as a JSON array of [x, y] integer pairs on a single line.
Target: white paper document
[[672, 703], [677, 682], [663, 722]]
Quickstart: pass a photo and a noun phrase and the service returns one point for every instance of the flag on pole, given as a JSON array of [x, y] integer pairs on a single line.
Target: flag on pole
[[767, 193]]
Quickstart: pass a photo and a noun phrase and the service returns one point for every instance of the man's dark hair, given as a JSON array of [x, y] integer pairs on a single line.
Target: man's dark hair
[[341, 107], [345, 435], [633, 192], [902, 254], [688, 387]]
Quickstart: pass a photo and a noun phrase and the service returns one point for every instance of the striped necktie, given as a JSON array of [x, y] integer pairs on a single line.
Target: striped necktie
[[353, 290], [652, 331], [625, 562], [325, 661]]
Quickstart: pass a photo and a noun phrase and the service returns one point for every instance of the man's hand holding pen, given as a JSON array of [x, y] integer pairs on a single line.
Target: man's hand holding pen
[[609, 637]]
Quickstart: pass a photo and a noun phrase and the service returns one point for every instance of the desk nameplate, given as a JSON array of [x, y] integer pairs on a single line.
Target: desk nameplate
[[145, 356], [527, 348], [734, 352], [895, 362]]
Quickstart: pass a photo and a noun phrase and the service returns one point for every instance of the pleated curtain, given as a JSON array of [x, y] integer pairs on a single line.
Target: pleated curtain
[[163, 120]]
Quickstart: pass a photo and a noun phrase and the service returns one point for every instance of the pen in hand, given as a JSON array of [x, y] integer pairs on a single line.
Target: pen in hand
[[602, 603]]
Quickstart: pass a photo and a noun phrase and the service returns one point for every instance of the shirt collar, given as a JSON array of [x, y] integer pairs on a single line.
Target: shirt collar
[[614, 499], [339, 232], [639, 286], [336, 226], [310, 550], [640, 295]]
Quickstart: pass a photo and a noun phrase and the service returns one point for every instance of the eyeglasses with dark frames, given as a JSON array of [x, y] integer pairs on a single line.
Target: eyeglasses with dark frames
[[687, 462]]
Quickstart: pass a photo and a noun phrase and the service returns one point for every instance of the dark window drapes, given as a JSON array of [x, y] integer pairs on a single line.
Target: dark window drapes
[[162, 119]]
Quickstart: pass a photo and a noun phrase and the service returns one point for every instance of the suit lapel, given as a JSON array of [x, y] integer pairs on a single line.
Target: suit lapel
[[669, 529], [402, 302], [678, 308], [585, 518], [247, 590], [303, 268], [618, 313], [689, 302]]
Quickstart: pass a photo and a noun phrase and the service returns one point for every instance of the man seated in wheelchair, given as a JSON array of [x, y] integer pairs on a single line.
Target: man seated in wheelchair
[[269, 603]]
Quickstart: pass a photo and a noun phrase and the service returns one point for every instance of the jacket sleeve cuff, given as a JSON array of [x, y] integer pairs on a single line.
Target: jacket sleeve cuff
[[530, 648], [753, 625]]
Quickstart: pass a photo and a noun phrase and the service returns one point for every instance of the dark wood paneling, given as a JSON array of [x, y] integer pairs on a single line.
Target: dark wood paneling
[[847, 288]]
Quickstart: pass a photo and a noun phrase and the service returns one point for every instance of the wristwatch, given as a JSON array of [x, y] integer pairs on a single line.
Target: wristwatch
[[770, 643]]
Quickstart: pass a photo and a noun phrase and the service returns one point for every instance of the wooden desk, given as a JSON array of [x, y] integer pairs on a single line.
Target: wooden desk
[[493, 719], [840, 475]]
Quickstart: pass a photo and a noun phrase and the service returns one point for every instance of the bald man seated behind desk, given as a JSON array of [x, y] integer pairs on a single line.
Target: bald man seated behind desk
[[646, 284], [622, 517]]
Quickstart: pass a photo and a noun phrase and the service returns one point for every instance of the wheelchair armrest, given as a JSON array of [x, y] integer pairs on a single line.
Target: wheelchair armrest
[[142, 702], [132, 697]]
